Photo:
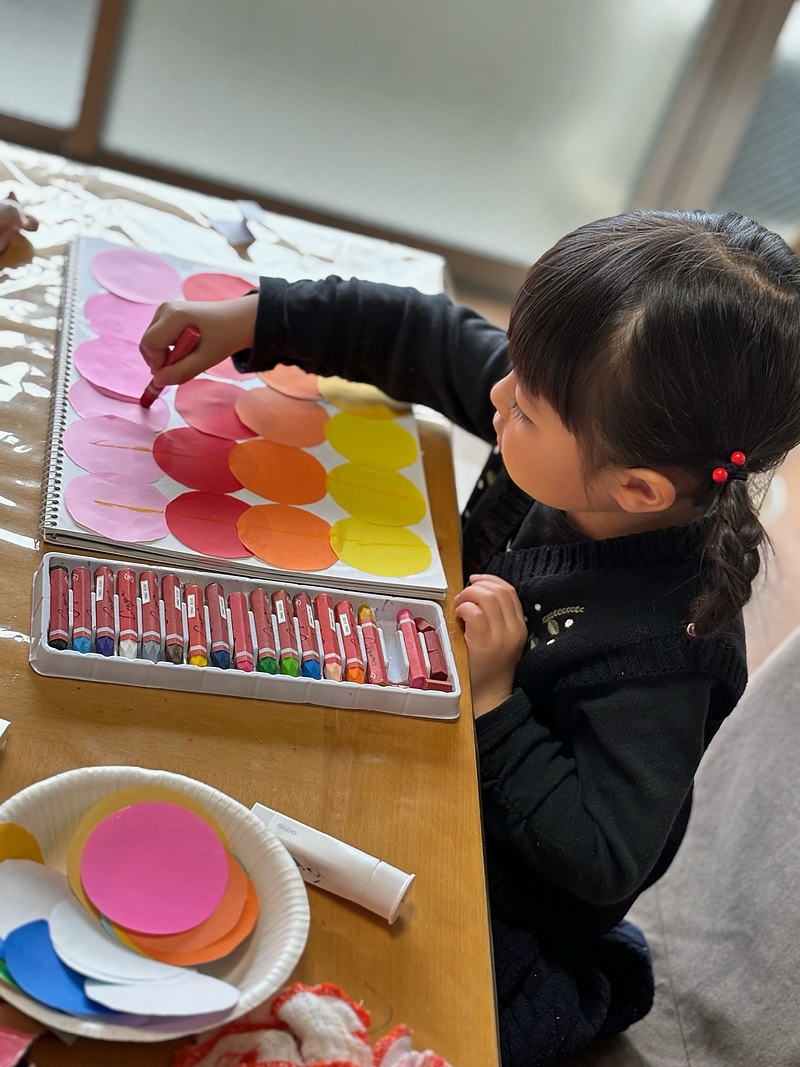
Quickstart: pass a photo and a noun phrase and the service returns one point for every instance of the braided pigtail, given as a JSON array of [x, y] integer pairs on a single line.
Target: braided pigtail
[[732, 556]]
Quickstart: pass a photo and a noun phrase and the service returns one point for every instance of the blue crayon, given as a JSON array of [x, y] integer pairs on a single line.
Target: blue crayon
[[81, 583], [105, 646], [82, 644], [221, 660], [310, 668]]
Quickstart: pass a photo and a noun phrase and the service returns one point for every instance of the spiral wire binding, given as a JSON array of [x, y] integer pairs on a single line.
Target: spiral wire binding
[[57, 420]]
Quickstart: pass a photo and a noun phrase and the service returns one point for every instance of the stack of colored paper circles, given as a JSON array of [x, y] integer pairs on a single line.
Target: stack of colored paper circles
[[152, 891]]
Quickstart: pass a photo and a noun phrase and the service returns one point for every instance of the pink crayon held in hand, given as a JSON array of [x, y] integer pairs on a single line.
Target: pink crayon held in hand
[[185, 344]]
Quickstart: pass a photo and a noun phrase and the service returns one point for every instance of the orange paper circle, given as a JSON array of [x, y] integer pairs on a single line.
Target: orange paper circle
[[281, 473], [280, 418], [291, 381], [369, 443], [287, 537], [217, 949], [220, 924]]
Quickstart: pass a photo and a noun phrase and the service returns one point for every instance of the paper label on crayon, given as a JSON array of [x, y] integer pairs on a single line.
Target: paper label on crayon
[[344, 622], [310, 614], [222, 605], [332, 619], [280, 611], [177, 592], [191, 605], [100, 587], [144, 591]]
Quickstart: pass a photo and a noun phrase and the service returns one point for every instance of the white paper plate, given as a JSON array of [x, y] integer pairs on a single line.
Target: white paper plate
[[51, 810]]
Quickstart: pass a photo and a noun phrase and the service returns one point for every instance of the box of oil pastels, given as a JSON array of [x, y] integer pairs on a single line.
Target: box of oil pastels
[[199, 632]]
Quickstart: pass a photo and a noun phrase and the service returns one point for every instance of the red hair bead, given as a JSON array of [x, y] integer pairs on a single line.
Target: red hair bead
[[738, 459], [719, 474]]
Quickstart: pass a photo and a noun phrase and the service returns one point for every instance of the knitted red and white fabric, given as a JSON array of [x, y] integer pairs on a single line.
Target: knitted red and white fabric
[[305, 1026]]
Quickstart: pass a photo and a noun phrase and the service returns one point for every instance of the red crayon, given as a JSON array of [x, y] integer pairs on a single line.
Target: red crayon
[[58, 627], [104, 636], [218, 619], [266, 657], [242, 641], [173, 618], [288, 653], [128, 625], [306, 624], [417, 671], [183, 346], [354, 670], [433, 646], [151, 616], [82, 609], [326, 620], [376, 664], [196, 624]]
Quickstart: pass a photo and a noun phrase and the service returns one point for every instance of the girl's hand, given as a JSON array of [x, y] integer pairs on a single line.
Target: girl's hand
[[496, 634], [226, 326]]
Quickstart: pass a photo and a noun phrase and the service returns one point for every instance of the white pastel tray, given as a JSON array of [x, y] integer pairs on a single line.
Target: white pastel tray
[[398, 699]]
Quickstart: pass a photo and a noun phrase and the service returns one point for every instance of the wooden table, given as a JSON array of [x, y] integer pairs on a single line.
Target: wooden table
[[402, 789]]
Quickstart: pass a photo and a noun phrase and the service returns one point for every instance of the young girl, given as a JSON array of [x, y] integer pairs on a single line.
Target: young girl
[[650, 373]]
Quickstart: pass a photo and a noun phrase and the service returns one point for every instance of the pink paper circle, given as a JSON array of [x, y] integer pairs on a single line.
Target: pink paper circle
[[88, 403], [206, 523], [110, 445], [113, 366], [136, 275], [117, 507], [210, 407], [282, 419], [111, 316], [226, 369], [197, 459], [211, 286], [155, 868]]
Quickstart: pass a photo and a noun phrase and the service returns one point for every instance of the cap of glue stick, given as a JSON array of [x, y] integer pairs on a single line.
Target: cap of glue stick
[[185, 344]]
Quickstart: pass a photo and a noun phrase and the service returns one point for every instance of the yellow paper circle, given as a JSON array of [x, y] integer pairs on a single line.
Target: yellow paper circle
[[378, 445], [383, 497], [389, 551], [361, 399], [17, 843]]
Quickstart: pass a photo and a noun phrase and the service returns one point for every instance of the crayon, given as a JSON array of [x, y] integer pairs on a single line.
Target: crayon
[[354, 670], [417, 671], [218, 620], [196, 625], [82, 609], [58, 626], [151, 616], [104, 633], [173, 619], [128, 626], [266, 657], [187, 341], [433, 646], [240, 624], [326, 621], [288, 653], [376, 665], [306, 624]]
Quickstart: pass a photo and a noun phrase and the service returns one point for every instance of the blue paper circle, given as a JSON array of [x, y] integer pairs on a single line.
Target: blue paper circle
[[37, 970]]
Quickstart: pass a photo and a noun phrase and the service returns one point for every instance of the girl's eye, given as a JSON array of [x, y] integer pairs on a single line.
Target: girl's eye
[[517, 412]]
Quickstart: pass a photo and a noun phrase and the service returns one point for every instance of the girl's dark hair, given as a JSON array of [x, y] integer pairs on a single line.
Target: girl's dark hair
[[670, 340]]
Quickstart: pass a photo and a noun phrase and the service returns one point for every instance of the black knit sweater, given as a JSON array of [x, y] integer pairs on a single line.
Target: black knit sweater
[[587, 769]]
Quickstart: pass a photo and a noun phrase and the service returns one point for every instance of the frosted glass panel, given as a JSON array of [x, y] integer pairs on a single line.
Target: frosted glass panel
[[44, 55], [493, 127], [764, 180]]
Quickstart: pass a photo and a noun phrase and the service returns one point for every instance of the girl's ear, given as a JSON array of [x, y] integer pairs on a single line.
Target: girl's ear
[[640, 490]]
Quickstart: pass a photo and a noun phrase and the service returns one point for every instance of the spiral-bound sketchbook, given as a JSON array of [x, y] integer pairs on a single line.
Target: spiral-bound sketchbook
[[283, 474]]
